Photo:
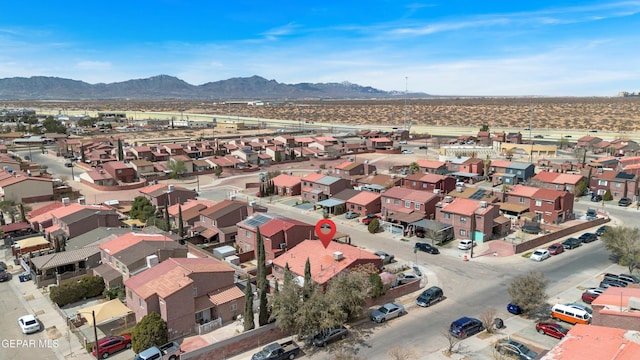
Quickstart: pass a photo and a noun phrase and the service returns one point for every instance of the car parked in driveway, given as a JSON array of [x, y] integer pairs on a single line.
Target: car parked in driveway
[[540, 255], [112, 344], [588, 297], [466, 244], [606, 283], [571, 243], [624, 202], [552, 329], [407, 277], [367, 219], [630, 279], [426, 248], [555, 249], [595, 290], [513, 348], [386, 258], [351, 215], [4, 275], [328, 336], [387, 312], [588, 237], [596, 198]]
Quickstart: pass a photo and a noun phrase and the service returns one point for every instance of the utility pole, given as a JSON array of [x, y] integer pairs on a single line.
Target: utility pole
[[473, 233]]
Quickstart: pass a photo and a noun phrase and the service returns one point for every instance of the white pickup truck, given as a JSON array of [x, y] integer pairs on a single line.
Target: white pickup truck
[[168, 351]]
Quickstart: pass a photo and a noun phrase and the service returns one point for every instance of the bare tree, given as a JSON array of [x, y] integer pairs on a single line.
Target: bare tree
[[487, 318], [400, 353], [453, 343]]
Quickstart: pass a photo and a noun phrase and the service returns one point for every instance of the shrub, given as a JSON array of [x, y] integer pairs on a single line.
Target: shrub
[[150, 331], [373, 226], [93, 285], [67, 293]]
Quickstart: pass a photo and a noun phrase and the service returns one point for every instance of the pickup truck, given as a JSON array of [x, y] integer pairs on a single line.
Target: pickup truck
[[276, 351], [168, 351]]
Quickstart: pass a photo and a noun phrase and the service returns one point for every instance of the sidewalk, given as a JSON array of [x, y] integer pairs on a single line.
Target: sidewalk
[[37, 303]]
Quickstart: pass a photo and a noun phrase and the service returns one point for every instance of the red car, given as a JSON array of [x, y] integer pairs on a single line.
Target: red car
[[556, 249], [588, 297], [370, 217], [552, 329], [112, 344]]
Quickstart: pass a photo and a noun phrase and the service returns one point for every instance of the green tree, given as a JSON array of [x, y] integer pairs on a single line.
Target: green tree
[[316, 314], [487, 167], [150, 331], [180, 222], [217, 171], [529, 291], [278, 156], [563, 142], [349, 291], [120, 150], [263, 314], [308, 286], [142, 209], [581, 187], [177, 168], [373, 226], [607, 195], [414, 168], [484, 127], [23, 216], [285, 303], [624, 244], [52, 125], [167, 222], [82, 155], [249, 322]]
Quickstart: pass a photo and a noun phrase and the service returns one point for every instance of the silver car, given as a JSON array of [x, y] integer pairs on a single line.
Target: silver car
[[387, 312]]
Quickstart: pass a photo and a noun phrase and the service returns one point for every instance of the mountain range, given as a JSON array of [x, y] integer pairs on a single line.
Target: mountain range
[[169, 87]]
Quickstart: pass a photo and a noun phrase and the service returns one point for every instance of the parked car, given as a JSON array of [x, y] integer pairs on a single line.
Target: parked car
[[591, 214], [29, 324], [4, 275], [407, 151], [68, 164], [609, 276], [422, 147], [596, 198], [513, 348], [588, 297], [595, 290], [552, 329], [609, 283], [351, 215], [465, 327], [3, 266], [426, 248], [581, 307], [112, 344], [430, 296], [386, 258], [601, 230], [387, 312], [275, 351], [555, 249], [624, 202], [330, 335], [540, 255], [631, 279], [588, 237], [407, 277], [571, 243], [367, 219], [466, 244], [514, 309]]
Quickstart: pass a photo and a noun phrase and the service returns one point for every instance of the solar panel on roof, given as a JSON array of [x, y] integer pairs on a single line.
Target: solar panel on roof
[[624, 175], [257, 220], [479, 194]]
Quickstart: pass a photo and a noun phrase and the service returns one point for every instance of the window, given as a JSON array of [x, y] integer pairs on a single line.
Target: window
[[602, 182], [234, 307], [396, 201], [463, 232], [247, 233], [521, 200], [195, 291], [359, 208], [129, 294], [407, 204], [417, 206], [413, 183], [447, 215], [388, 201], [424, 185], [463, 219], [538, 202], [618, 185]]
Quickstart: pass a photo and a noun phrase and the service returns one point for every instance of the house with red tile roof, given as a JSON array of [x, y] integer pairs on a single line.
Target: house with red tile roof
[[21, 188], [120, 171], [521, 195], [142, 152], [466, 168], [499, 166], [439, 184], [618, 307], [190, 212], [318, 187], [187, 293], [383, 181], [596, 342], [364, 203], [218, 222], [557, 181], [279, 234], [623, 147], [432, 166], [405, 206], [457, 212], [326, 263], [287, 185], [552, 206], [229, 162], [351, 170], [75, 219], [382, 143], [186, 160], [161, 194], [130, 254], [619, 183], [587, 142], [173, 149]]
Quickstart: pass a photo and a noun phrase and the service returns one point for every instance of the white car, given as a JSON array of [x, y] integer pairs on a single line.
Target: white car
[[466, 244], [407, 151], [540, 255], [29, 324]]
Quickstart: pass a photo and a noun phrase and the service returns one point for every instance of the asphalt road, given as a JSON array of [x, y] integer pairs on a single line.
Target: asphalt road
[[55, 165]]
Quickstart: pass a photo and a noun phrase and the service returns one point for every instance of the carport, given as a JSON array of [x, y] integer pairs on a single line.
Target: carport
[[433, 229], [333, 206]]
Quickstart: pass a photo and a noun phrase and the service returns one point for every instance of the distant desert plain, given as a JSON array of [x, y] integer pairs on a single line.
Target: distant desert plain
[[615, 114]]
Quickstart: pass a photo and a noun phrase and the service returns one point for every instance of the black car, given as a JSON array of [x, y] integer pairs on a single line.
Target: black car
[[515, 350], [601, 230], [430, 296], [426, 248], [571, 243], [596, 198], [330, 335], [588, 237], [624, 202], [612, 283], [465, 327], [422, 147]]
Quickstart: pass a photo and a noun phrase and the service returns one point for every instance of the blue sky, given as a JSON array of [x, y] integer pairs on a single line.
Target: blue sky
[[440, 47]]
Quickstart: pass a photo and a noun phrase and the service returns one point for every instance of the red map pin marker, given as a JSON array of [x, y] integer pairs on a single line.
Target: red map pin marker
[[325, 229]]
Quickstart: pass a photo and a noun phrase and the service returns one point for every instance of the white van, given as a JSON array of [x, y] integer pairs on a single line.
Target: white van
[[570, 314]]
